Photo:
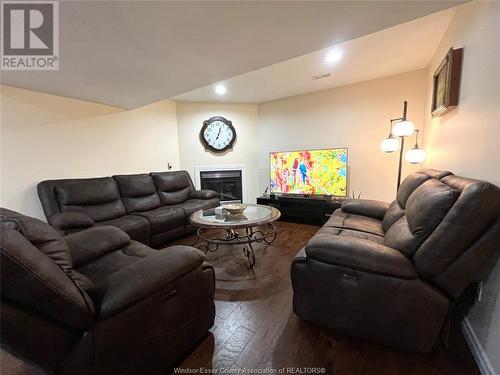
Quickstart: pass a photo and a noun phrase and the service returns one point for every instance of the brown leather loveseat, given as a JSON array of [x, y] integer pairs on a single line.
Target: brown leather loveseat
[[388, 273], [151, 208], [96, 302]]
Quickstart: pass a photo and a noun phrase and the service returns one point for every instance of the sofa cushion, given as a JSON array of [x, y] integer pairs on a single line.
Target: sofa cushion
[[138, 192], [425, 208], [163, 219], [135, 226], [435, 173], [341, 219], [88, 245], [173, 187], [408, 186], [102, 267], [160, 276], [332, 231], [365, 207], [67, 221], [203, 194], [192, 205], [465, 235], [360, 254], [99, 198], [393, 213], [36, 271], [39, 234]]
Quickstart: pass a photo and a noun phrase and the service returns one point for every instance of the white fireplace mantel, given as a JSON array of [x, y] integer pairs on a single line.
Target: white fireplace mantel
[[233, 167]]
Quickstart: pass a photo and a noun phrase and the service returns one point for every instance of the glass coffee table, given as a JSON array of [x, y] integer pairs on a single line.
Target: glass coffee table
[[254, 225]]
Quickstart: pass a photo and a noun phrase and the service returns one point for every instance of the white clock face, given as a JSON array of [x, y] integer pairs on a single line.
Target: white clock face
[[218, 135]]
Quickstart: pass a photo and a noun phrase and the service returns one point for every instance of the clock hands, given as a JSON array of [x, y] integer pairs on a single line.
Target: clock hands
[[211, 132]]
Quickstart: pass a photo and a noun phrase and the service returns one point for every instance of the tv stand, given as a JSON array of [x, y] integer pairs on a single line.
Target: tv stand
[[303, 209]]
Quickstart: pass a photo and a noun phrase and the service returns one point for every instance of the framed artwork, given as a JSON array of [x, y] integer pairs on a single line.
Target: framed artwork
[[446, 83]]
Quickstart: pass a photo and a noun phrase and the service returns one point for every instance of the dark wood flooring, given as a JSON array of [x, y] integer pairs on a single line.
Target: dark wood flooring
[[255, 327]]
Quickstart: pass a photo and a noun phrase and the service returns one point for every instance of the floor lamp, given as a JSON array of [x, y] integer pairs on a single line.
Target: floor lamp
[[401, 128]]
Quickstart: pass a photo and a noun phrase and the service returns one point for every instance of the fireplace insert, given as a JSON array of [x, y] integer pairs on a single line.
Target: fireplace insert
[[227, 184]]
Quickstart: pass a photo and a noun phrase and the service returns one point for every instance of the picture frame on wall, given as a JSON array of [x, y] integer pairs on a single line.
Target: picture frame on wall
[[446, 83]]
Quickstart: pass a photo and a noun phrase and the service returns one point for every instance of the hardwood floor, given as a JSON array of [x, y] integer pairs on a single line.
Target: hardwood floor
[[255, 327]]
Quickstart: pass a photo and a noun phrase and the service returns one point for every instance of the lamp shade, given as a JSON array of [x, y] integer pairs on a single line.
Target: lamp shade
[[403, 128], [415, 155], [389, 144]]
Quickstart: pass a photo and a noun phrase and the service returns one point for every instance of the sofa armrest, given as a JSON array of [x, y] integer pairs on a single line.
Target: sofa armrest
[[203, 194], [87, 245], [365, 207], [145, 277], [361, 254], [70, 220]]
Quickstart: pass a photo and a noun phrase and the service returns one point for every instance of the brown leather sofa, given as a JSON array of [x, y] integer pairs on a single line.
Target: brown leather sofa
[[96, 302], [389, 273], [151, 208]]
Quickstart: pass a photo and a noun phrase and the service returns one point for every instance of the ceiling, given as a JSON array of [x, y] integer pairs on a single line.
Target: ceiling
[[132, 53], [398, 49]]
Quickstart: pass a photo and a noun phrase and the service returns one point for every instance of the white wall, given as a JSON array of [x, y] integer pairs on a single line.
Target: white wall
[[46, 136], [190, 117], [466, 140], [356, 116]]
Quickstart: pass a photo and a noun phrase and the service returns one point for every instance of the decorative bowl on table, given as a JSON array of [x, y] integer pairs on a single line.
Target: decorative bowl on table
[[235, 208]]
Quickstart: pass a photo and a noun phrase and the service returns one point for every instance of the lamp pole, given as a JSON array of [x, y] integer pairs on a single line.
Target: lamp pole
[[402, 129], [402, 143], [400, 161], [400, 167]]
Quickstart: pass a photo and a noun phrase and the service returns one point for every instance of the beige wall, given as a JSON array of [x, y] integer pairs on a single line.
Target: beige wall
[[190, 117], [46, 136], [466, 140], [356, 116]]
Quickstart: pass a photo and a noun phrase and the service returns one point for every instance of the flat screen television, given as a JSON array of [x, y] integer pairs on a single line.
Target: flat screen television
[[309, 172]]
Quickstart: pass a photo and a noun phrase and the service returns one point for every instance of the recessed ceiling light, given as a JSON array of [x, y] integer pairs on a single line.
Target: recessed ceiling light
[[220, 89], [333, 56]]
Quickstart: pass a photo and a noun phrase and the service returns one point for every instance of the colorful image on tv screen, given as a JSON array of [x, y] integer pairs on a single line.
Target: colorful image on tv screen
[[314, 172]]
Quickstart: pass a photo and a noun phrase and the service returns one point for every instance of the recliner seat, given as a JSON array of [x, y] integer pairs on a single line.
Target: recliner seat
[[96, 302], [389, 272], [151, 208]]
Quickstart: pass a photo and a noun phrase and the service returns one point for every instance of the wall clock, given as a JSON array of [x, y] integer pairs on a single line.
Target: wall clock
[[217, 134]]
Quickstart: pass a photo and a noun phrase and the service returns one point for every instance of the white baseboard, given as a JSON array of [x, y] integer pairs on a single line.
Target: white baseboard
[[480, 356]]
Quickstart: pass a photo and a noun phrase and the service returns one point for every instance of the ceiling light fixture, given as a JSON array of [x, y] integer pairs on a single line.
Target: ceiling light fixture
[[220, 89], [333, 56]]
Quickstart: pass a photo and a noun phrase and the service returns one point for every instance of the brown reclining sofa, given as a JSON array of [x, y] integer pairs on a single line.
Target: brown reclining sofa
[[151, 208], [96, 302], [389, 273]]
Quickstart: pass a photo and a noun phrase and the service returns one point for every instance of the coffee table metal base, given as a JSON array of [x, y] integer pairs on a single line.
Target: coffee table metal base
[[245, 237]]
